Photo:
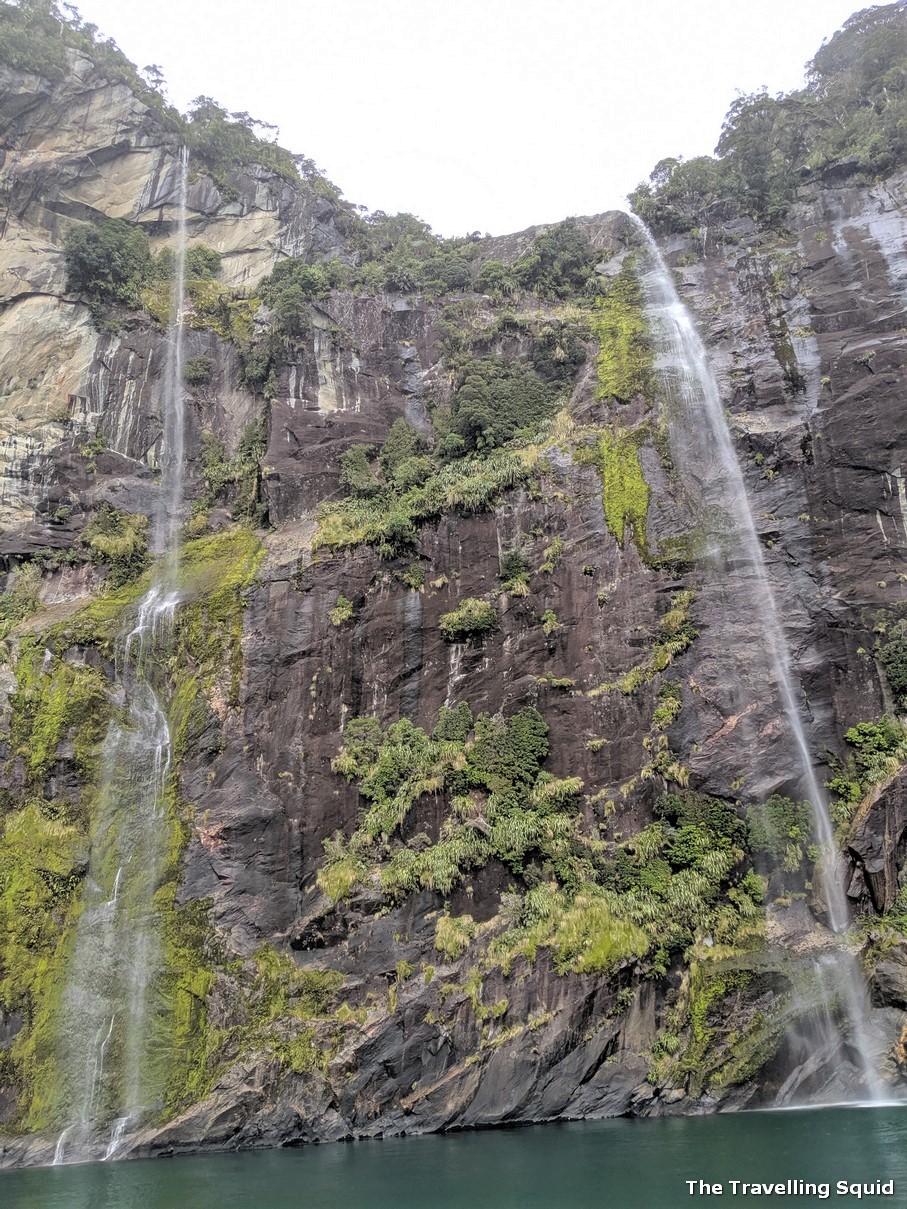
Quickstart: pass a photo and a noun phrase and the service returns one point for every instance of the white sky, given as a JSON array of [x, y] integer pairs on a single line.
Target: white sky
[[485, 115]]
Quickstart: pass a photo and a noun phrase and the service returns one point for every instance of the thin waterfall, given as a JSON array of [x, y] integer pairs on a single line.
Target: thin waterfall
[[106, 1071], [701, 445]]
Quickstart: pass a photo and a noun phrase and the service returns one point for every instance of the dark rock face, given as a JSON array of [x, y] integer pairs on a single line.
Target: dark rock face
[[806, 335], [878, 842]]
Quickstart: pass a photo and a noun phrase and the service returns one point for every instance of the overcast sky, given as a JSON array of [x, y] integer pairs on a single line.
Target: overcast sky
[[486, 115]]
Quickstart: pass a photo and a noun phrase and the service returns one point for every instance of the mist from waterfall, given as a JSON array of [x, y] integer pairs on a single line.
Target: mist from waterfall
[[732, 554], [107, 1071]]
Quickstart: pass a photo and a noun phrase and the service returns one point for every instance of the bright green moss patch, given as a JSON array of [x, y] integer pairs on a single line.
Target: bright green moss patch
[[21, 600], [62, 707], [625, 492], [625, 362], [186, 1044], [214, 573], [42, 863], [56, 701]]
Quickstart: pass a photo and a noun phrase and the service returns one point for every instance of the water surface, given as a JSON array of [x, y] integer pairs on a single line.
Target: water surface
[[624, 1164]]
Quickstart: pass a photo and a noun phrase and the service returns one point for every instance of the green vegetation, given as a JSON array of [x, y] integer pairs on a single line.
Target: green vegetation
[[21, 599], [879, 749], [42, 864], [893, 658], [215, 573], [470, 619], [389, 517], [559, 262], [781, 829], [625, 493], [55, 701], [669, 705], [453, 934], [625, 363], [495, 402], [549, 622], [236, 480], [850, 114], [342, 611], [198, 371], [594, 905], [107, 262], [119, 541], [676, 634], [514, 573], [502, 804]]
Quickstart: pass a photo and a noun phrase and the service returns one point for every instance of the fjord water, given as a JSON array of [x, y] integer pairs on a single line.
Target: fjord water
[[105, 1069], [732, 554], [615, 1164]]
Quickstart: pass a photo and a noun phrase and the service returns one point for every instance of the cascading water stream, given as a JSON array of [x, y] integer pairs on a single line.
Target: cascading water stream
[[107, 1030], [701, 443]]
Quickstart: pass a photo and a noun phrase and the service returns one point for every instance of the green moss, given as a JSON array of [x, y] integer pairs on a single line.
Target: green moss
[[185, 1042], [625, 362], [42, 863], [21, 600], [43, 854], [56, 700], [214, 573], [625, 492]]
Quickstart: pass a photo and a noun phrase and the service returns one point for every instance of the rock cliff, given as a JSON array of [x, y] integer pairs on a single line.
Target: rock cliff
[[322, 983]]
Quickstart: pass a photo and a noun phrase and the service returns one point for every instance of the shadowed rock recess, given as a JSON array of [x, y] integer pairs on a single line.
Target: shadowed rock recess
[[473, 817]]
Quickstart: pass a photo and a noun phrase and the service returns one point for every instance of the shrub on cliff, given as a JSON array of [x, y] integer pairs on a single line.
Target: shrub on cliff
[[893, 657], [119, 541], [493, 402], [108, 262], [197, 371], [471, 619], [559, 262]]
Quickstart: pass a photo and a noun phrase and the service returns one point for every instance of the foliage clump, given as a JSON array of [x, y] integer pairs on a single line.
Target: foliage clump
[[119, 541], [780, 828], [893, 658], [593, 905], [878, 749], [387, 515], [850, 115], [470, 619], [236, 479], [494, 402], [108, 262]]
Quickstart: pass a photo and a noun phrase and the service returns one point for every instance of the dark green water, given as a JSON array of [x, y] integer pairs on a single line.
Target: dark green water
[[615, 1164]]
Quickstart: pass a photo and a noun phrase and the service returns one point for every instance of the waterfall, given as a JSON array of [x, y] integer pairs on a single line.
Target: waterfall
[[106, 1066], [702, 447]]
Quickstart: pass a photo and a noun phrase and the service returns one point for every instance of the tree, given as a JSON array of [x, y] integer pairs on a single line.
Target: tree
[[108, 262]]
